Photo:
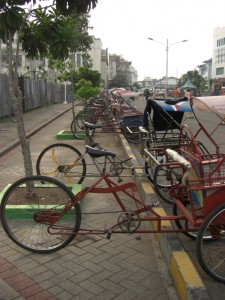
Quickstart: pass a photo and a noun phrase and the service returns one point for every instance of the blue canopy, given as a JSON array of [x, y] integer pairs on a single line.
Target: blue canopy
[[182, 106]]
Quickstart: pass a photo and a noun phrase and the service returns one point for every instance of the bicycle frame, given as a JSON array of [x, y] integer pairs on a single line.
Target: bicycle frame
[[117, 164], [128, 222]]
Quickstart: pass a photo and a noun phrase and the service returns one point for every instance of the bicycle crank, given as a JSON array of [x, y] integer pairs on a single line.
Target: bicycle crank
[[129, 221]]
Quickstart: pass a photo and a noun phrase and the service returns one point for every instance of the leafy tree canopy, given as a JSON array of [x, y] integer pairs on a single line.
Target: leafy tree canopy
[[66, 7], [196, 79], [89, 75], [50, 32], [86, 90]]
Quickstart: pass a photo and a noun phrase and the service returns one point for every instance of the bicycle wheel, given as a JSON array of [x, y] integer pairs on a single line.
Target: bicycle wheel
[[211, 255], [62, 161], [28, 207], [83, 116], [181, 223], [164, 178], [131, 131], [74, 129]]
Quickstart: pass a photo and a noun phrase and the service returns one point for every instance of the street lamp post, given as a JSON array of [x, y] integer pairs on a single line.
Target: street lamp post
[[167, 55]]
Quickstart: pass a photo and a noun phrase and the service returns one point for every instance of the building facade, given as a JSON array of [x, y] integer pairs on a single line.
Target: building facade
[[218, 61], [114, 69], [205, 70]]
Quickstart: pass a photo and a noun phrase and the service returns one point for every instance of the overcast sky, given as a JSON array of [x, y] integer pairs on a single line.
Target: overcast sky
[[125, 25]]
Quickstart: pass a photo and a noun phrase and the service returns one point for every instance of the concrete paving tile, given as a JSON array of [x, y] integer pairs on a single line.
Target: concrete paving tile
[[7, 292]]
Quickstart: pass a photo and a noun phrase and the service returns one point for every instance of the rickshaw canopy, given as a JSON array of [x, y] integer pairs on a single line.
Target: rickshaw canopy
[[181, 106], [214, 104]]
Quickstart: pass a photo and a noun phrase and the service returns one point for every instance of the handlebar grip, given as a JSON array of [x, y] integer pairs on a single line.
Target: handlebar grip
[[178, 158]]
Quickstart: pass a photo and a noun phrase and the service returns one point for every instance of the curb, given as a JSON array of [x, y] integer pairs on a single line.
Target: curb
[[187, 281]]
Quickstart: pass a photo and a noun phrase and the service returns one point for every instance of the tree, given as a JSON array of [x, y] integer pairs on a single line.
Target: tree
[[118, 81], [137, 85], [90, 75], [49, 32], [86, 90], [66, 7], [196, 79]]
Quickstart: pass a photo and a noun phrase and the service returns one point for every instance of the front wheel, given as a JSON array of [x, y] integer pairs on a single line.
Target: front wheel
[[29, 211], [211, 254], [63, 162]]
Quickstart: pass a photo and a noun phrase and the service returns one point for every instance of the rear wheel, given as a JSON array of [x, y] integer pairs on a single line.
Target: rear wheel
[[31, 205], [75, 129], [182, 223], [211, 255], [164, 178], [80, 118], [62, 161]]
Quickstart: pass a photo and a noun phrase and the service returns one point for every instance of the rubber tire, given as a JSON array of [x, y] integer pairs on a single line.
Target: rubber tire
[[75, 129], [24, 230], [179, 224], [162, 190], [214, 248], [47, 166], [81, 117]]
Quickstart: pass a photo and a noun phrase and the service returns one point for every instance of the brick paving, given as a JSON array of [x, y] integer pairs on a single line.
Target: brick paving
[[91, 267]]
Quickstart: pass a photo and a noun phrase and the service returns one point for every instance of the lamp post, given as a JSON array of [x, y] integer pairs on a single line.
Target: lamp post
[[167, 45]]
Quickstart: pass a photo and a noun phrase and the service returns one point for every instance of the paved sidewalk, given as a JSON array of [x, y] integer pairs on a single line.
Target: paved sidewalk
[[92, 267], [34, 120]]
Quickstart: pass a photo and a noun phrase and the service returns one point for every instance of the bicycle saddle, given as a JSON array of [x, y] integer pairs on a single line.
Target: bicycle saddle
[[98, 153]]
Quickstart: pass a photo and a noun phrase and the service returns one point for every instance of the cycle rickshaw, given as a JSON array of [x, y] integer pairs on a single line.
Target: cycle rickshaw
[[161, 130], [47, 219], [194, 172]]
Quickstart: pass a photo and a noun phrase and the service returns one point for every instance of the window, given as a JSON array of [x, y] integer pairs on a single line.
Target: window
[[220, 71], [220, 42]]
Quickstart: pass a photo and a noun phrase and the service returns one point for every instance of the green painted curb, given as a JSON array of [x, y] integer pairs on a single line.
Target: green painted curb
[[15, 209], [67, 135]]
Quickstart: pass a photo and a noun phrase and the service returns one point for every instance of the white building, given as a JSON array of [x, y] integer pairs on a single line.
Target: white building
[[111, 66], [96, 54], [205, 70], [218, 59]]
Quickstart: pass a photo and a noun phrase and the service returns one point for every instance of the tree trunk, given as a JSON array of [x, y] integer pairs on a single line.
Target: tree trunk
[[17, 101], [24, 142]]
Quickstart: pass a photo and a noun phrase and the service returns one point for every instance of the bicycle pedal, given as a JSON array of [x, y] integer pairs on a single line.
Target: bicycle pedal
[[109, 234]]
